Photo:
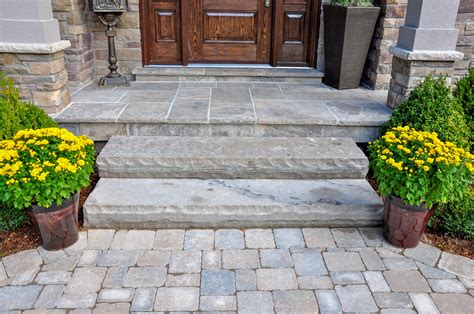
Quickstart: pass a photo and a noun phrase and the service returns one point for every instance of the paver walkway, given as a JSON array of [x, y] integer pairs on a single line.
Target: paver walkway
[[251, 271]]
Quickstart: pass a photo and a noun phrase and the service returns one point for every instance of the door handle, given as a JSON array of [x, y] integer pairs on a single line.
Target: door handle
[[267, 3]]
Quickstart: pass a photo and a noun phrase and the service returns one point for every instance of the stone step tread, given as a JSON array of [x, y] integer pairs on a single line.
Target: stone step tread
[[188, 203], [232, 157]]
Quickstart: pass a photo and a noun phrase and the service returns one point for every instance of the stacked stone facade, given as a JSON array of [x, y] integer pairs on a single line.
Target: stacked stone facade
[[465, 25]]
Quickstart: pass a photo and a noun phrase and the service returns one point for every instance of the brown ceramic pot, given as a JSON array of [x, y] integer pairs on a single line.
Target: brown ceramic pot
[[58, 224], [404, 224]]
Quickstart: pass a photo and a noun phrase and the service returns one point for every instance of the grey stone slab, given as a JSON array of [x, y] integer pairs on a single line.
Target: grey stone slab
[[468, 283], [177, 299], [240, 259], [217, 282], [53, 277], [229, 239], [261, 85], [372, 260], [347, 278], [18, 298], [98, 96], [218, 303], [149, 96], [211, 259], [102, 131], [259, 239], [397, 311], [78, 300], [297, 301], [343, 261], [434, 273], [372, 236], [447, 286], [145, 112], [183, 280], [231, 95], [234, 85], [347, 237], [21, 262], [276, 279], [224, 157], [143, 300], [115, 277], [312, 112], [154, 258], [199, 240], [376, 281], [116, 308], [385, 253], [49, 297], [356, 298], [185, 262], [65, 264], [456, 264], [175, 203], [91, 112], [51, 256], [245, 279], [255, 302], [232, 113], [44, 311], [423, 303], [139, 277], [86, 279], [288, 238], [318, 237], [100, 239], [309, 264], [202, 93], [453, 302], [406, 281], [115, 295], [315, 282], [118, 258], [189, 111], [364, 112], [424, 253], [393, 300], [89, 258], [151, 86], [276, 258], [25, 278], [400, 264], [267, 93], [139, 240], [328, 301], [169, 239]]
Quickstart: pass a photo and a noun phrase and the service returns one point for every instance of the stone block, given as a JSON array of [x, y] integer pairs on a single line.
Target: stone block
[[356, 298], [154, 258], [177, 299], [49, 297], [275, 258], [21, 262], [53, 277], [347, 237], [447, 286], [276, 279], [372, 260], [376, 281], [245, 279], [229, 239], [400, 264], [315, 282], [185, 262], [459, 265], [259, 239], [255, 302], [115, 295], [347, 278], [199, 240], [451, 302], [288, 238], [297, 301], [393, 300], [328, 301], [406, 281], [143, 299], [169, 239], [217, 283], [184, 280], [118, 258], [318, 237], [115, 277], [211, 259], [100, 239], [240, 259], [309, 264], [218, 303], [423, 302], [139, 277], [78, 300], [86, 280], [343, 261]]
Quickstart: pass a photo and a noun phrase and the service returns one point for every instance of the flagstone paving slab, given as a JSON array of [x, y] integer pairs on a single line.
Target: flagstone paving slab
[[266, 271]]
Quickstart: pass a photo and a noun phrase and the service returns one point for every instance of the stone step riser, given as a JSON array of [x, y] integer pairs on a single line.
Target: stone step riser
[[232, 158], [178, 203], [174, 78]]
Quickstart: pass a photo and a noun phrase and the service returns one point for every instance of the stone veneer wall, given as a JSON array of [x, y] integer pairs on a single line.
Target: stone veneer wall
[[465, 24]]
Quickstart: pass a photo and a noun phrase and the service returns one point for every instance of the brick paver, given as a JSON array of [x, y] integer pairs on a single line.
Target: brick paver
[[246, 271]]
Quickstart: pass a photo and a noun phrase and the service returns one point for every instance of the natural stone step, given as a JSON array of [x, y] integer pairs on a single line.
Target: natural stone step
[[232, 158], [193, 203]]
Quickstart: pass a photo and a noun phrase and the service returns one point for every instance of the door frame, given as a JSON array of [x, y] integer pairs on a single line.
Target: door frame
[[315, 21]]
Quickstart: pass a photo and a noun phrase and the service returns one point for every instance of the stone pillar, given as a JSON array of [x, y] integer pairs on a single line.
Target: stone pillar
[[32, 53], [426, 45]]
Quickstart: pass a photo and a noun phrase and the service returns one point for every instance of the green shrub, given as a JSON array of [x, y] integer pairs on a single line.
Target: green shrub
[[456, 218], [431, 107], [16, 114], [11, 218], [353, 3], [464, 93]]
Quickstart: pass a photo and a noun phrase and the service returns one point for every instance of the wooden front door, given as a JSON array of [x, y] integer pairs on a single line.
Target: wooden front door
[[277, 32]]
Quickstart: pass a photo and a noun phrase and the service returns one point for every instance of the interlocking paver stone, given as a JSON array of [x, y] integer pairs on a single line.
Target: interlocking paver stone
[[287, 238], [154, 258], [276, 279], [453, 302], [399, 264], [397, 311], [343, 261], [347, 237], [65, 264], [318, 237], [386, 253], [259, 239], [447, 285], [79, 246], [53, 277], [77, 300], [406, 281], [138, 277], [276, 258], [177, 299], [89, 258], [115, 277], [119, 240], [218, 303], [255, 302], [3, 273], [424, 253], [315, 282], [139, 240], [25, 278], [184, 280], [100, 239], [309, 264], [459, 265], [199, 240], [376, 281], [87, 279], [51, 256], [211, 259], [21, 262], [118, 258], [240, 259], [423, 303], [115, 295], [229, 239], [347, 278], [185, 262], [18, 298], [169, 239], [372, 260], [217, 282], [392, 300], [49, 297], [328, 301], [144, 299], [116, 308], [372, 236], [245, 279], [296, 301], [356, 298], [468, 283]]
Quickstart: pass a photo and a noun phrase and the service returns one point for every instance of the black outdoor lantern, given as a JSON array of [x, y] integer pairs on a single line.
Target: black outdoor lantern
[[109, 12]]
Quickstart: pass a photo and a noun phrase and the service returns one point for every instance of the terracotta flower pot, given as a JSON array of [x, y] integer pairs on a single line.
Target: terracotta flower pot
[[404, 224], [58, 224]]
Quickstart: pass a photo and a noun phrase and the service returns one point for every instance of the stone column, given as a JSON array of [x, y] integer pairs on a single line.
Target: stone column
[[426, 45], [32, 53]]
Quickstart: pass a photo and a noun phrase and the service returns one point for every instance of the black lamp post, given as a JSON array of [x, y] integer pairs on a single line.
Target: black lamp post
[[109, 12]]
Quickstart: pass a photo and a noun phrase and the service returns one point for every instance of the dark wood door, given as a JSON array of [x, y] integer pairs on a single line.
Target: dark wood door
[[277, 32]]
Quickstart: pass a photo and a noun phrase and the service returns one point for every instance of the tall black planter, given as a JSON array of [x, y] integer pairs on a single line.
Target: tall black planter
[[347, 35]]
